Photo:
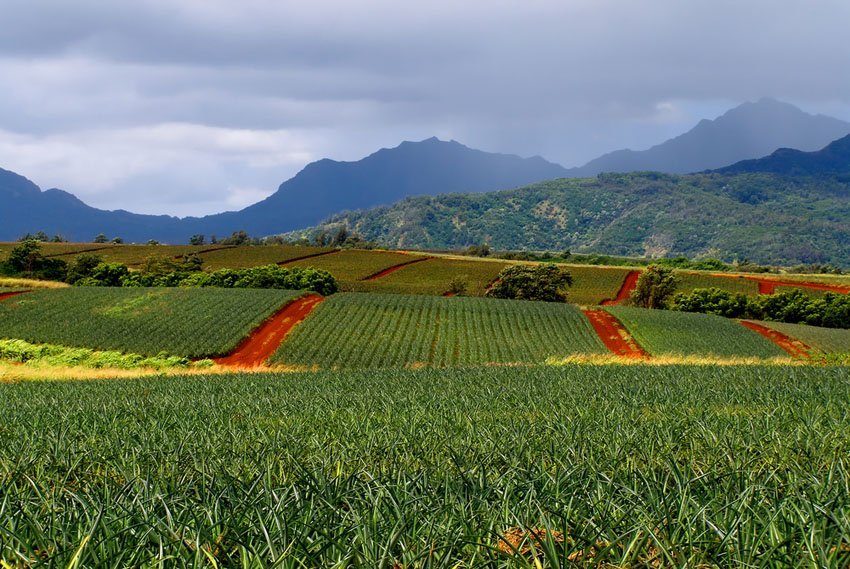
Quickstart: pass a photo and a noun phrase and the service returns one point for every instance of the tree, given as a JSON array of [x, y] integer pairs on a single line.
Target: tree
[[117, 240], [655, 286], [197, 239], [538, 282], [83, 267], [100, 238], [26, 257]]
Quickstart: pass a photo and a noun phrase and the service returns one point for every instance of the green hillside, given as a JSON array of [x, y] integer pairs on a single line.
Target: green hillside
[[761, 217]]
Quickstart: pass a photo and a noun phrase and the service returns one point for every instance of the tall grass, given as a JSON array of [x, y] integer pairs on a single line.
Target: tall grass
[[638, 466]]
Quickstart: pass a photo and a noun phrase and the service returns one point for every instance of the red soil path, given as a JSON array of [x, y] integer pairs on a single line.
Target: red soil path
[[262, 343], [768, 285], [394, 268], [614, 335], [322, 254], [629, 284], [5, 295], [795, 348]]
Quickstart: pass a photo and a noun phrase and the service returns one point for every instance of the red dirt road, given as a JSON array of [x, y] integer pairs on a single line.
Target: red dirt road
[[795, 348], [262, 343], [5, 295], [394, 268], [629, 284], [614, 335], [768, 285]]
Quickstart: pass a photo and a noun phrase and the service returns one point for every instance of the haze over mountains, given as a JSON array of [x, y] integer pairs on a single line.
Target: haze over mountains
[[428, 167]]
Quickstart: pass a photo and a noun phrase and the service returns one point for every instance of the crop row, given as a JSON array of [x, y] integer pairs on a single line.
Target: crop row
[[670, 333], [625, 466], [355, 331], [180, 321]]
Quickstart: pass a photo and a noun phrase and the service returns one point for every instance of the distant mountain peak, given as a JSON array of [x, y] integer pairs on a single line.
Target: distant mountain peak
[[750, 130]]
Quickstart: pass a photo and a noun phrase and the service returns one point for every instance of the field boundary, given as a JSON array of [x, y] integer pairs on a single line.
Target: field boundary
[[614, 335], [629, 284], [80, 251], [390, 270], [264, 340], [5, 295], [794, 347], [768, 285], [310, 256]]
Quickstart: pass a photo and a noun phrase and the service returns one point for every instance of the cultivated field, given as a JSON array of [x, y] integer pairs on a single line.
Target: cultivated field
[[180, 321], [636, 466], [353, 265], [434, 276], [358, 331], [668, 333]]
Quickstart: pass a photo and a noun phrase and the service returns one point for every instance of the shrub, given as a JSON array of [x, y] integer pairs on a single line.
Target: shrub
[[525, 282]]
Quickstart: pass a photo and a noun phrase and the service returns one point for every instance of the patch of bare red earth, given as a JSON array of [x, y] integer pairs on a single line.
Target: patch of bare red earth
[[768, 285], [390, 270], [629, 284], [5, 295], [795, 348], [614, 335], [265, 340]]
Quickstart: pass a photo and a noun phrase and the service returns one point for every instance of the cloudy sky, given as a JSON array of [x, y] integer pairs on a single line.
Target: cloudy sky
[[197, 106]]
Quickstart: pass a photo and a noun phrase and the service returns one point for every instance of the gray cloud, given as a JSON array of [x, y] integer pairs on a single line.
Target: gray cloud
[[194, 106]]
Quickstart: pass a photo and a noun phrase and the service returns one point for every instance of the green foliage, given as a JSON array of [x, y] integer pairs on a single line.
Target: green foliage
[[356, 331], [669, 333], [655, 286], [27, 260], [545, 282], [647, 466], [180, 321], [105, 274], [83, 267], [268, 276], [49, 354], [831, 310]]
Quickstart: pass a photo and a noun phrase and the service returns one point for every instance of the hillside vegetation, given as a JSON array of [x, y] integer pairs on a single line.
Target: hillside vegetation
[[762, 217]]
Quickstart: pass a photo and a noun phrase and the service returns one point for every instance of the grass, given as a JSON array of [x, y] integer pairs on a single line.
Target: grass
[[666, 332], [49, 355], [178, 321], [826, 340], [434, 277], [350, 266], [690, 281], [27, 284], [625, 466], [592, 285], [357, 331]]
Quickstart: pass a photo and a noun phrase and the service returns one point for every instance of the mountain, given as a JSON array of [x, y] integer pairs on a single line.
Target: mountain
[[27, 209], [322, 188], [748, 131], [832, 159], [762, 217]]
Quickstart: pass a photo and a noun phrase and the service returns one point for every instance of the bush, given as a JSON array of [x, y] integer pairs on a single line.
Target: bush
[[831, 311], [525, 282], [26, 260]]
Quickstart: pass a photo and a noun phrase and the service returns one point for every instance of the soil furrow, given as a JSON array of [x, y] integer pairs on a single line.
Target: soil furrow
[[390, 270], [265, 340], [612, 333], [629, 284], [5, 295], [794, 347], [311, 256]]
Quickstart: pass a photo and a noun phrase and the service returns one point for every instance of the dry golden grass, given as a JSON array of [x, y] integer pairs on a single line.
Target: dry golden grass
[[675, 360], [30, 283]]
